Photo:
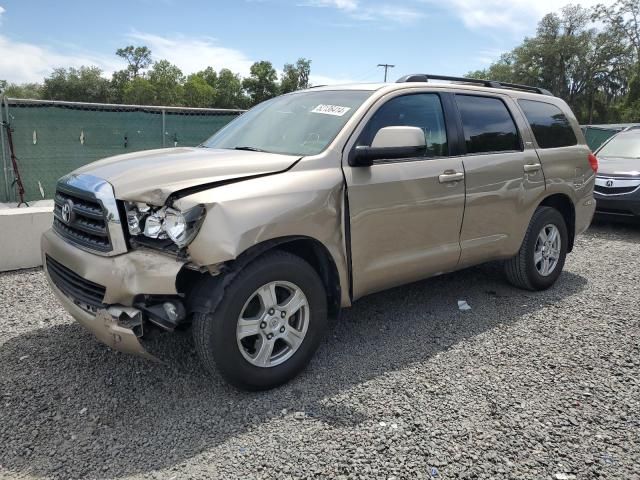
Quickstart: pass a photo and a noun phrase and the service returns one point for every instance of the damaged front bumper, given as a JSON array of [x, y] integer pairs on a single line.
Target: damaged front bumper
[[112, 316]]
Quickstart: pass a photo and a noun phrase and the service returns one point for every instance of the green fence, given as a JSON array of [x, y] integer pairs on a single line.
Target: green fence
[[596, 136], [53, 138]]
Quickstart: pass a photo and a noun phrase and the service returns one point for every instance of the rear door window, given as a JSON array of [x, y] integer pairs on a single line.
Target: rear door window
[[549, 125], [487, 124]]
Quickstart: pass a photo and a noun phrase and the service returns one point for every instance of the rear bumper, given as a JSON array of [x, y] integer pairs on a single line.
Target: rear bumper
[[116, 322], [584, 214]]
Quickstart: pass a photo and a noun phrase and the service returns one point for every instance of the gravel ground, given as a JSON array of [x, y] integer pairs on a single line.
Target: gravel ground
[[525, 385]]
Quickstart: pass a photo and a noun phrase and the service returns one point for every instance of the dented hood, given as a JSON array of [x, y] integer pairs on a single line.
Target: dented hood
[[151, 176]]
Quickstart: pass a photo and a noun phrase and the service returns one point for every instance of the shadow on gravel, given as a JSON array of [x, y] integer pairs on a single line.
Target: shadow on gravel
[[70, 407]]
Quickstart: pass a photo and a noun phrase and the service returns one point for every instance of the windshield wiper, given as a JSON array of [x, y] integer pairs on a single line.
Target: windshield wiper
[[249, 149]]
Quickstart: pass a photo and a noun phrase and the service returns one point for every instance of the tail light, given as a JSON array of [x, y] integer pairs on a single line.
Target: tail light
[[593, 161]]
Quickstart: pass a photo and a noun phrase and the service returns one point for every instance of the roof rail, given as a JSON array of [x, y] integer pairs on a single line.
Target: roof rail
[[424, 77]]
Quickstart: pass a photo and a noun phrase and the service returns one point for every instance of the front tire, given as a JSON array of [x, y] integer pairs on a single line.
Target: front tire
[[268, 324], [540, 260]]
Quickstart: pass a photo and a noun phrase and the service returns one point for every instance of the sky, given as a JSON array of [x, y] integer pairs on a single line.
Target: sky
[[345, 39]]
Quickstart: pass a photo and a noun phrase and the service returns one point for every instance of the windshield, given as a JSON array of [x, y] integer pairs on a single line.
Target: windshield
[[624, 145], [298, 124]]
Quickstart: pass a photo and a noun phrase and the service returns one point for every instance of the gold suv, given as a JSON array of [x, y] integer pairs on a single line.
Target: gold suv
[[310, 201]]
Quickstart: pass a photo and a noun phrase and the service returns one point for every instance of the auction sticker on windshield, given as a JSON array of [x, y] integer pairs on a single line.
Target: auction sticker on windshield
[[336, 110]]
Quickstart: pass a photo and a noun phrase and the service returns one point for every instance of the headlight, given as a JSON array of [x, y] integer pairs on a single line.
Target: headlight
[[175, 224], [163, 223]]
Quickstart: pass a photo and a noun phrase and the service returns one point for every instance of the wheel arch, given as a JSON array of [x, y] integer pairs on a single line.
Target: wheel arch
[[204, 291], [563, 204]]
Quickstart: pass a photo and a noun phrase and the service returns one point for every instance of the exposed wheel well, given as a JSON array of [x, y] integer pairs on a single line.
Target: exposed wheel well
[[310, 250], [564, 205], [317, 255]]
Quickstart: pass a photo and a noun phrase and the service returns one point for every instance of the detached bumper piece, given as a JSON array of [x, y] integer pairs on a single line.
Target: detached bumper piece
[[117, 326], [120, 328]]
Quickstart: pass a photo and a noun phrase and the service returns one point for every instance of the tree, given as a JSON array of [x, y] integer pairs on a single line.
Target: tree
[[138, 58], [623, 17], [295, 77], [198, 92], [229, 93], [25, 90], [209, 75], [572, 59], [261, 84], [622, 20], [167, 80], [139, 91], [119, 82], [84, 84]]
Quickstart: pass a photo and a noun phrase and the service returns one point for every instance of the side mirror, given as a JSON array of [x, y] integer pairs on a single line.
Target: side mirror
[[390, 142]]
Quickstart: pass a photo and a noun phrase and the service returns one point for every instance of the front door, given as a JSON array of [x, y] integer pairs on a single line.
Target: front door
[[405, 214]]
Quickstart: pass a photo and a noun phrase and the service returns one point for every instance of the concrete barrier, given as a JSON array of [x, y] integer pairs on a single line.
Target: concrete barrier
[[20, 232]]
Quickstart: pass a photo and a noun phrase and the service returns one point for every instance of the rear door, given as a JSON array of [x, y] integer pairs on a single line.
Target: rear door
[[405, 214], [503, 177]]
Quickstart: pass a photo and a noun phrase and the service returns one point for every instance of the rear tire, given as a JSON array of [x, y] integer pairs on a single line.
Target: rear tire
[[254, 337], [540, 260]]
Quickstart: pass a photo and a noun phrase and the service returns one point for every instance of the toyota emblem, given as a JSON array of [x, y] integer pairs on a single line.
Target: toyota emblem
[[67, 212], [609, 183]]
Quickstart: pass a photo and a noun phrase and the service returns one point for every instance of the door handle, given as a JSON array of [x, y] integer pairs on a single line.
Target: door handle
[[532, 167], [450, 176]]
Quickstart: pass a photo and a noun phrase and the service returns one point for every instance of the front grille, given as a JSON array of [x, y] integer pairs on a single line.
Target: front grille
[[614, 190], [86, 225], [74, 286]]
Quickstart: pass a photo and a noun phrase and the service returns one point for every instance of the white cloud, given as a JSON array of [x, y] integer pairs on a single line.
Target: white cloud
[[26, 62], [22, 62], [393, 13], [389, 12], [193, 54], [347, 5], [512, 15]]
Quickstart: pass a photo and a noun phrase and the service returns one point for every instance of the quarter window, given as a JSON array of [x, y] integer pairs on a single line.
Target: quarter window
[[488, 125], [422, 110], [549, 125]]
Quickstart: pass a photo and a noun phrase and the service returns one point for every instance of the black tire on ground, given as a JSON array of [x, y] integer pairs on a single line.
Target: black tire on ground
[[215, 332], [521, 270]]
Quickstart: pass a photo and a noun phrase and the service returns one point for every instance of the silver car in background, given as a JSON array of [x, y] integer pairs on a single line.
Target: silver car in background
[[617, 188]]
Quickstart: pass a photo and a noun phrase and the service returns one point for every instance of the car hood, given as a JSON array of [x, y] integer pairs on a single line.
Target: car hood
[[617, 166], [152, 175]]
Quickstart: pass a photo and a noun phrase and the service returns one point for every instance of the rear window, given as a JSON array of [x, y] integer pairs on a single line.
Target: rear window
[[487, 124], [549, 125]]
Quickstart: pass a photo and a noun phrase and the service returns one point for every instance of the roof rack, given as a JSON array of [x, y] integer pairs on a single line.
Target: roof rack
[[424, 77]]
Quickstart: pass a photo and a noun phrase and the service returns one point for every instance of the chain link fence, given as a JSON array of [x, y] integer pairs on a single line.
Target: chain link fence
[[52, 138]]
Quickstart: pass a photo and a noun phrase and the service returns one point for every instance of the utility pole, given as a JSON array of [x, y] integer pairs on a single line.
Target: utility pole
[[386, 67]]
